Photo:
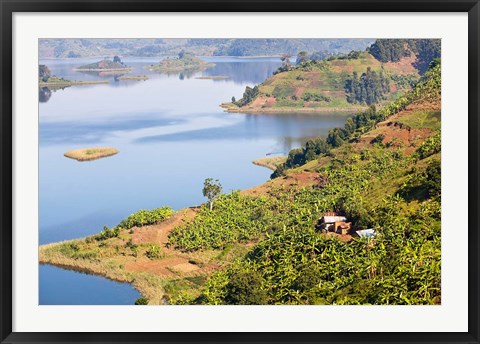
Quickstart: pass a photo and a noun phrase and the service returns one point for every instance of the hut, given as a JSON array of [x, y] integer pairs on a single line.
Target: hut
[[331, 222]]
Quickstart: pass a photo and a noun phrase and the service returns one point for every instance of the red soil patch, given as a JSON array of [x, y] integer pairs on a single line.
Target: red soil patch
[[297, 179], [404, 66], [262, 102], [158, 233], [299, 91]]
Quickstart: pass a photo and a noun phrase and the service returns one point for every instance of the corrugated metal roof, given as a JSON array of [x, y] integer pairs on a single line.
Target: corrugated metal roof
[[332, 219], [366, 233]]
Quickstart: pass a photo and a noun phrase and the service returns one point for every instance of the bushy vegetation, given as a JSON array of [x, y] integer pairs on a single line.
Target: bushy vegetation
[[234, 218], [44, 73], [249, 94], [146, 217], [392, 50], [395, 194], [137, 219], [370, 88], [296, 264], [429, 147]]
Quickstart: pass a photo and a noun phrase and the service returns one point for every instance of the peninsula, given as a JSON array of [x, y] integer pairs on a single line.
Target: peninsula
[[105, 66], [349, 82], [46, 79]]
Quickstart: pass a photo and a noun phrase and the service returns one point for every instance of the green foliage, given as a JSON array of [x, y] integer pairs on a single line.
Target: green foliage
[[430, 146], [141, 301], [248, 96], [434, 179], [212, 190], [154, 252], [296, 264], [388, 50], [44, 73], [428, 88], [370, 88], [108, 233], [234, 218], [146, 217], [392, 50], [245, 288], [308, 96]]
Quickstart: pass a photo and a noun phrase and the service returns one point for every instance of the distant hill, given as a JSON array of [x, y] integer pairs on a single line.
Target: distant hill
[[346, 82], [184, 62], [104, 65], [151, 47]]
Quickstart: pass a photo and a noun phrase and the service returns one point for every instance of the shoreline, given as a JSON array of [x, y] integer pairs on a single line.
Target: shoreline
[[270, 162], [72, 83], [125, 70], [320, 110], [150, 284]]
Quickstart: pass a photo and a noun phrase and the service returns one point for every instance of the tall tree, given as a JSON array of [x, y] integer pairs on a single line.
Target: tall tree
[[212, 190]]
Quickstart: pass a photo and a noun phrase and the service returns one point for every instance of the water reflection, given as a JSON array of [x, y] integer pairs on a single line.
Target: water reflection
[[44, 94]]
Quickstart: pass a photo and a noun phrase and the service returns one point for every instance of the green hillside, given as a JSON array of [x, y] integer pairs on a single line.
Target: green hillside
[[384, 176], [315, 85]]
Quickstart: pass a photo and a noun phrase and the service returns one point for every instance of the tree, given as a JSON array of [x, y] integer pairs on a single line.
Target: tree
[[302, 57], [285, 58], [181, 54], [44, 73], [117, 59], [211, 190], [233, 99]]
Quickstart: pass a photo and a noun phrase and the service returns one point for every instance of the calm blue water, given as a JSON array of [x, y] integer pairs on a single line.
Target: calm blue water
[[67, 287], [171, 135]]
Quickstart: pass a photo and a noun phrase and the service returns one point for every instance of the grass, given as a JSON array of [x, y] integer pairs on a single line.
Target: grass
[[325, 79], [270, 162], [422, 119], [87, 154]]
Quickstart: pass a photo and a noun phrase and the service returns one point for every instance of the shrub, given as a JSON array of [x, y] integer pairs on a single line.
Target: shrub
[[141, 301], [146, 217], [154, 252]]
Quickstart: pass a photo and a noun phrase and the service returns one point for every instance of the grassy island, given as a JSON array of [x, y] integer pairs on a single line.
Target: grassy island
[[265, 245], [105, 66], [184, 62], [87, 154]]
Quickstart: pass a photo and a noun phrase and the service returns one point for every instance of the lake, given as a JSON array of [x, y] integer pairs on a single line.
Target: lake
[[171, 135]]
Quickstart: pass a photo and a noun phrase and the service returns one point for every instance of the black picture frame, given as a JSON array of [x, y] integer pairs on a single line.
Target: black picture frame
[[9, 7]]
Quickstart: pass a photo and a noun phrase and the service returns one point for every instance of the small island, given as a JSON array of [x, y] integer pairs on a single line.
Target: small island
[[116, 65], [184, 62], [87, 154]]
